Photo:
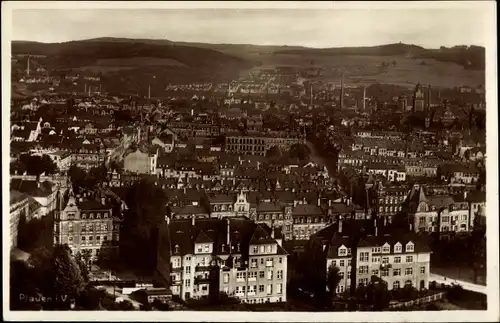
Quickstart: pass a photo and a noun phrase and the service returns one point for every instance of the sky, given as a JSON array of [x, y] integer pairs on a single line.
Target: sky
[[430, 28]]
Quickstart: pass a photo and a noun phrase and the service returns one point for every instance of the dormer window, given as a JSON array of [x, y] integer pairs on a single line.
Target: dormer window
[[223, 247], [410, 247], [398, 247], [386, 248], [342, 251]]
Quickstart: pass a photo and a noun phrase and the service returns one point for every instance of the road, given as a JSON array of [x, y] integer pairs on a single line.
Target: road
[[448, 281]]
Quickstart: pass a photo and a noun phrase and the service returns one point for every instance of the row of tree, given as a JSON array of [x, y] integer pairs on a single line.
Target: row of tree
[[34, 165]]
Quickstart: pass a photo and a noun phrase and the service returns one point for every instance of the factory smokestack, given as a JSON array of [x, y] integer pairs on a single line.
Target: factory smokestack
[[342, 91]]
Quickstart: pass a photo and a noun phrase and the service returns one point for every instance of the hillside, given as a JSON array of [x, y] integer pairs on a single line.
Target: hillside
[[82, 53], [470, 57], [131, 63]]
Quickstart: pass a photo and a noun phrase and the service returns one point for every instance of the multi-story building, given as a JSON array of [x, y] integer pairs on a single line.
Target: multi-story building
[[88, 156], [255, 143], [274, 215], [307, 220], [390, 200], [87, 224], [477, 201], [141, 162], [399, 258], [234, 256], [21, 205], [438, 213]]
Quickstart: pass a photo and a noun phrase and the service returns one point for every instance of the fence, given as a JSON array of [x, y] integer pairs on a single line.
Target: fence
[[422, 300]]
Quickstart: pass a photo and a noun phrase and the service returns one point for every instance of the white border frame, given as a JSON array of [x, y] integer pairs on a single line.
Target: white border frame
[[492, 211]]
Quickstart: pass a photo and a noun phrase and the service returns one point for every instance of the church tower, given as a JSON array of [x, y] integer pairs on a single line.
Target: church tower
[[418, 99]]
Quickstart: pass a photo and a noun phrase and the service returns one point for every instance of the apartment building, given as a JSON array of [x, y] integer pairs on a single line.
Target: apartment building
[[274, 215], [307, 220], [233, 255], [398, 257], [438, 213], [141, 162], [256, 143], [21, 206], [87, 224]]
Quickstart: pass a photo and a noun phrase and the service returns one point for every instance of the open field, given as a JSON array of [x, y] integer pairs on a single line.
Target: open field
[[368, 69]]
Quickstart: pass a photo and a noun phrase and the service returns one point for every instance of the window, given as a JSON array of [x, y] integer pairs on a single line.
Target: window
[[342, 263], [279, 274], [269, 289], [252, 275], [375, 259], [342, 251], [270, 273], [363, 269], [409, 259], [375, 272], [188, 270], [422, 270], [396, 272], [386, 249], [395, 285], [279, 289], [398, 247], [268, 248], [240, 276], [261, 261], [364, 256], [261, 274], [261, 288], [226, 278], [253, 263], [255, 249], [280, 260], [408, 271], [385, 260], [187, 282], [349, 262], [410, 247], [408, 283], [363, 281], [207, 248], [397, 260], [385, 273]]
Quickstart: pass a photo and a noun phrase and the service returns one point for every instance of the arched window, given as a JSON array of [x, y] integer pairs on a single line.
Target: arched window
[[408, 283]]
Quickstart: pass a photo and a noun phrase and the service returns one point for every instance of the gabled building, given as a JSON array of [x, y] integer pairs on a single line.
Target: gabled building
[[234, 256]]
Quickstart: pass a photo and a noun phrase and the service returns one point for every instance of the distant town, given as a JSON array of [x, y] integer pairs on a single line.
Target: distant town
[[276, 191]]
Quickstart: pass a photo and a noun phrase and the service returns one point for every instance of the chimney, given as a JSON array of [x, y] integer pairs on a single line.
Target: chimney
[[258, 165], [184, 189], [272, 231], [465, 195], [228, 238], [385, 221], [319, 201], [375, 226], [340, 224], [411, 226], [329, 202], [193, 220], [168, 220], [348, 201], [103, 200]]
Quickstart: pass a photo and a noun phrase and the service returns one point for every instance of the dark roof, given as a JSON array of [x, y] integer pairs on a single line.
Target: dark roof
[[476, 197], [33, 188], [306, 209], [269, 207], [92, 205]]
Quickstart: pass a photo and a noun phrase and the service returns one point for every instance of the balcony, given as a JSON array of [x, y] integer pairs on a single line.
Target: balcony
[[269, 263], [203, 267], [201, 280]]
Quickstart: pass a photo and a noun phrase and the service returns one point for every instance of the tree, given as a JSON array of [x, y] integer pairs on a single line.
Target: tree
[[147, 211], [274, 153], [83, 260], [333, 279], [36, 165], [78, 177], [66, 273], [377, 294], [300, 151]]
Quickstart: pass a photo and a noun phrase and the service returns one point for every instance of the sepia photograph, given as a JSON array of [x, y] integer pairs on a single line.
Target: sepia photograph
[[250, 161]]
